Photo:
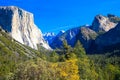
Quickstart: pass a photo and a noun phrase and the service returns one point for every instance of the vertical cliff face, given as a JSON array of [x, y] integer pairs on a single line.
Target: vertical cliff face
[[20, 24]]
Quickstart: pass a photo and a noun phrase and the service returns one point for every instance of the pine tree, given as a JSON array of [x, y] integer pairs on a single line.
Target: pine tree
[[66, 47], [79, 50], [86, 71]]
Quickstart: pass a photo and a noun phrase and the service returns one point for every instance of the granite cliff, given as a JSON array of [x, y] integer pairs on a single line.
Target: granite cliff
[[20, 25]]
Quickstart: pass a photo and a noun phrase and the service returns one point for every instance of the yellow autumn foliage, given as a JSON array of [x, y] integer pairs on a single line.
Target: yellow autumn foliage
[[68, 70]]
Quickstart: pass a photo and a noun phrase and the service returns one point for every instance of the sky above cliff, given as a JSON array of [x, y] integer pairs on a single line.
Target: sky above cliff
[[56, 15]]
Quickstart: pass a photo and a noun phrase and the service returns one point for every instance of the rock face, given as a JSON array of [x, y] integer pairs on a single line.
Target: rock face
[[102, 23], [86, 36], [111, 37], [20, 24]]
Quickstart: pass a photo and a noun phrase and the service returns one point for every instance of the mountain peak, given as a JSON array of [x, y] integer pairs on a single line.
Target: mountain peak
[[49, 34], [14, 9], [9, 7], [102, 23], [62, 31], [100, 17]]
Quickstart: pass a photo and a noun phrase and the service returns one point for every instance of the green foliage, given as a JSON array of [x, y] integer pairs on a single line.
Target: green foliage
[[107, 67], [79, 50], [54, 57], [34, 70], [11, 54], [62, 58], [66, 52], [85, 66], [66, 48], [20, 62], [41, 70]]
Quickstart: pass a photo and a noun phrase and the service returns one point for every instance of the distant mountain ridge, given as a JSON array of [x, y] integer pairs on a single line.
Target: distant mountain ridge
[[102, 33], [68, 35], [93, 36], [84, 34], [49, 37], [20, 24]]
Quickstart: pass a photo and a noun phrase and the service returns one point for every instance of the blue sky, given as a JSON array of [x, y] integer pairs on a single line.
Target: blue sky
[[56, 15]]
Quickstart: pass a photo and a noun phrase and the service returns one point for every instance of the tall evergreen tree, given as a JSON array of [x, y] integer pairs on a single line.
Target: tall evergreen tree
[[86, 71], [79, 50]]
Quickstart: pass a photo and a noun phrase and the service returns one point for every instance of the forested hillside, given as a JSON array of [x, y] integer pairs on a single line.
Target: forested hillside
[[19, 62]]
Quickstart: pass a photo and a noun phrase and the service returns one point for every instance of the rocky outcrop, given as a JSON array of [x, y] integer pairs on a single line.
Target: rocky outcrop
[[20, 24], [102, 23], [86, 36]]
